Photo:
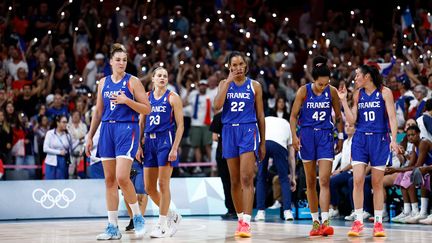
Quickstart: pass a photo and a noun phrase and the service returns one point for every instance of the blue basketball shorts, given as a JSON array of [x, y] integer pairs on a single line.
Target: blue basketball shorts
[[157, 147], [118, 139], [316, 144], [238, 139], [373, 148]]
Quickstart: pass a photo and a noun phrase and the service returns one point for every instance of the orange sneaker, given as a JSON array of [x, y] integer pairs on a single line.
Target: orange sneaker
[[326, 229], [316, 229], [245, 230], [356, 228], [378, 230], [239, 224]]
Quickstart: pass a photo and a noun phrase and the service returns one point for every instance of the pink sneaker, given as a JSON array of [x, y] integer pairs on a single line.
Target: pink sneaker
[[245, 230], [356, 228], [378, 230], [239, 225]]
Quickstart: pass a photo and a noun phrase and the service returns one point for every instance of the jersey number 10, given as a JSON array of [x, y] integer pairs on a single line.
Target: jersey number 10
[[369, 115]]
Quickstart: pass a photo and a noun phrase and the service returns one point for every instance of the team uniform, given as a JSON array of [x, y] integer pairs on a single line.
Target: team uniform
[[371, 140], [240, 130], [316, 127], [118, 135], [159, 132]]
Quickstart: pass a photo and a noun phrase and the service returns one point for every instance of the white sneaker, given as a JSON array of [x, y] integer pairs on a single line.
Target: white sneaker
[[275, 205], [366, 215], [260, 216], [385, 217], [350, 217], [174, 219], [415, 218], [399, 217], [288, 215], [158, 232], [333, 213], [427, 220], [404, 220]]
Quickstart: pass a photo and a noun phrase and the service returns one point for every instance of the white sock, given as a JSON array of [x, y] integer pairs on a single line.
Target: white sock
[[414, 208], [315, 217], [113, 217], [407, 208], [240, 216], [247, 218], [163, 221], [324, 216], [378, 216], [424, 205], [135, 208], [359, 214]]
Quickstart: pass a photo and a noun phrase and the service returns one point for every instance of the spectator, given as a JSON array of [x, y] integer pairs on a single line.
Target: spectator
[[57, 145], [58, 108], [77, 129], [5, 139], [200, 135]]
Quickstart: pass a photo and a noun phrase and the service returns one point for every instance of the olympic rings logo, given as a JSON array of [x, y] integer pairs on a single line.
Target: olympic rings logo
[[53, 197]]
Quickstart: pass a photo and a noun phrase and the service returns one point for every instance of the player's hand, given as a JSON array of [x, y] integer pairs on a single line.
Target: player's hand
[[293, 184], [395, 147], [89, 146], [262, 151], [139, 155], [339, 146], [231, 76], [296, 143], [342, 93], [389, 171], [119, 98], [172, 156]]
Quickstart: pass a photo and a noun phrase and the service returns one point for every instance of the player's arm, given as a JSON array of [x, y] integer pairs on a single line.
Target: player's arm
[[259, 107], [391, 112], [350, 114], [97, 114], [298, 101], [338, 117], [96, 117], [221, 94], [142, 104], [177, 105]]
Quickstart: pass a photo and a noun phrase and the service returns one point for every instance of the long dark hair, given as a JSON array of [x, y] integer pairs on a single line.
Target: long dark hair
[[58, 119], [235, 54], [320, 68], [374, 73]]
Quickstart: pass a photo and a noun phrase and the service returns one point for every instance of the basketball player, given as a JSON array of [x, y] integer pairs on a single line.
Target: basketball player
[[160, 150], [315, 142], [243, 139], [121, 97], [373, 111]]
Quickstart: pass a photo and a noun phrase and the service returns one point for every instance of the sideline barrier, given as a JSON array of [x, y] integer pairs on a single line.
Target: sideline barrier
[[39, 199]]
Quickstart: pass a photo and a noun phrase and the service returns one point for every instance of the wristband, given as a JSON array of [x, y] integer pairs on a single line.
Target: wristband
[[340, 136]]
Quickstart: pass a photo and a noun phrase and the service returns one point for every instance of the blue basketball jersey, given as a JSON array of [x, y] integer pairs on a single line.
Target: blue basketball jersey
[[316, 109], [161, 117], [372, 114], [117, 112], [239, 106]]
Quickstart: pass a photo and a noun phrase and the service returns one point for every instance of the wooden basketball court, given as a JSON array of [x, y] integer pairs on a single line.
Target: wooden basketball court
[[201, 229]]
